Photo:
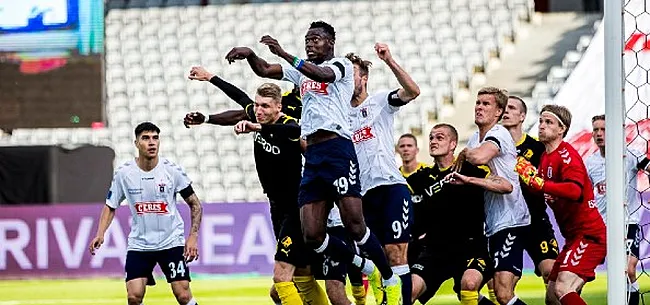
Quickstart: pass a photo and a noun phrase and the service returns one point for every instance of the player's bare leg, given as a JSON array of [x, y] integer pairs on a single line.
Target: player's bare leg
[[551, 299], [566, 287], [504, 287], [470, 284], [283, 283], [135, 290], [336, 292], [398, 260], [352, 217], [183, 293], [273, 294], [545, 268], [419, 287], [633, 285]]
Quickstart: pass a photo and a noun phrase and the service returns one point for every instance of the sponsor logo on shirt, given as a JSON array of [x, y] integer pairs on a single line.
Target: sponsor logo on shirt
[[313, 86], [363, 134], [151, 207], [266, 146], [134, 191], [161, 187]]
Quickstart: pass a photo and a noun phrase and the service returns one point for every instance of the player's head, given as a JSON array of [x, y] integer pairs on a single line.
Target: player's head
[[361, 71], [407, 147], [268, 103], [147, 140], [490, 105], [319, 41], [515, 113], [598, 130], [443, 140], [554, 123]]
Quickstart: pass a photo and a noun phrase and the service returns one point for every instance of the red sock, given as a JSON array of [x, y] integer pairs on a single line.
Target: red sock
[[572, 298]]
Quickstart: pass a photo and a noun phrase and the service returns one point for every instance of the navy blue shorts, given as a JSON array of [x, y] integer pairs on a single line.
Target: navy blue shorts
[[633, 239], [388, 212], [507, 247], [331, 172], [140, 264]]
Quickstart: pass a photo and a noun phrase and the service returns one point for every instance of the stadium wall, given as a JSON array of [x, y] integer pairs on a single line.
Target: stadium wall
[[52, 241]]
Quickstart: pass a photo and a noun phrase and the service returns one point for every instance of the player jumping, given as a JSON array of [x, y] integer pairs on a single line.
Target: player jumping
[[507, 216], [541, 244], [387, 205], [150, 184], [563, 179], [634, 162], [453, 249], [331, 167]]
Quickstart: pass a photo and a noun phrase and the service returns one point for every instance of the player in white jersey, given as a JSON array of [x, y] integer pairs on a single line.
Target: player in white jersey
[[331, 167], [507, 216], [149, 185], [635, 161], [387, 205]]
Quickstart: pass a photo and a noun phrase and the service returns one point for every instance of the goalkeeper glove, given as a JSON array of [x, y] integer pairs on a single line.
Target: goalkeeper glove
[[528, 174]]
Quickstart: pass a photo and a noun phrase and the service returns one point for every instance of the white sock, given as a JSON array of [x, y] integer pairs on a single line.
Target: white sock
[[633, 287], [323, 246], [191, 302], [393, 280], [513, 300], [400, 269], [366, 265], [365, 237]]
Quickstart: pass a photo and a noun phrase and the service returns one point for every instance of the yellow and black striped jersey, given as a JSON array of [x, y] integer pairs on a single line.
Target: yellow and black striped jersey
[[406, 175]]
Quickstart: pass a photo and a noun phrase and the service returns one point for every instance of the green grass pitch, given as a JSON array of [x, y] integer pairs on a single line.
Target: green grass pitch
[[226, 290]]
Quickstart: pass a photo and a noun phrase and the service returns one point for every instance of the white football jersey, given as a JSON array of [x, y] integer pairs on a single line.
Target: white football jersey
[[151, 197], [502, 210], [596, 170], [324, 105], [372, 134], [334, 218]]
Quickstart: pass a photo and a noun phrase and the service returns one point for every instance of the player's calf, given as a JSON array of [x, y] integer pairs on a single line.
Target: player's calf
[[566, 287], [419, 287], [135, 290], [504, 288], [336, 292], [397, 259], [182, 292]]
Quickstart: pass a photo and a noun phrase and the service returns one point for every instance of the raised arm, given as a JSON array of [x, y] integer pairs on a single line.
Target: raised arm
[[259, 65], [225, 118], [234, 93], [317, 73], [409, 90]]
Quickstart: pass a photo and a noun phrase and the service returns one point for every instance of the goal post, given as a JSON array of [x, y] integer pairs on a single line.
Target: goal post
[[615, 152]]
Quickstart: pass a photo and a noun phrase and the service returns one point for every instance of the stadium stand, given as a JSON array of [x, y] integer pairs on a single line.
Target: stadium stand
[[151, 45]]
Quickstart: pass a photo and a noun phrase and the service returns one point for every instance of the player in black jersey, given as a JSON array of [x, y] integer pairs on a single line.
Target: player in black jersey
[[453, 249], [541, 244], [278, 160]]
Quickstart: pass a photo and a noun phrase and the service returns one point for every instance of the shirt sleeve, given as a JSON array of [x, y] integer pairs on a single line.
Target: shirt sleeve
[[181, 180], [572, 169], [290, 74], [115, 194], [387, 98], [286, 127], [342, 68], [497, 137], [415, 182], [472, 170]]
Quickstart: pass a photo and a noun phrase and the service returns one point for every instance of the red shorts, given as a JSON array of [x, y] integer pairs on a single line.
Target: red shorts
[[581, 257]]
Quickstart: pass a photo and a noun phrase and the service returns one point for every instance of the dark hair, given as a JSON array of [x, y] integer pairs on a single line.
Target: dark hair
[[452, 130], [145, 126], [409, 135], [524, 108], [598, 117], [325, 26], [364, 65]]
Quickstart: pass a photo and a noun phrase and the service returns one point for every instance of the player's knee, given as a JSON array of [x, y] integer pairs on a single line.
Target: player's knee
[[504, 295], [183, 297], [470, 284], [134, 299], [313, 237], [356, 229], [282, 275]]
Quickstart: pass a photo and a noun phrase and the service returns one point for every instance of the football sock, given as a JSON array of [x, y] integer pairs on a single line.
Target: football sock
[[572, 298], [335, 248], [310, 290], [404, 274], [492, 295], [468, 297], [370, 245], [359, 294], [288, 293], [633, 290]]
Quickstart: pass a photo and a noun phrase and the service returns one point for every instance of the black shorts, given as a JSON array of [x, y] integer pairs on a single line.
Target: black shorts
[[290, 246], [633, 239], [540, 242], [324, 267], [507, 249], [435, 268], [140, 264]]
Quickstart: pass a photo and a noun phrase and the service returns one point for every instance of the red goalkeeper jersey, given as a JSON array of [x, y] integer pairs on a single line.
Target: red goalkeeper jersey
[[568, 191]]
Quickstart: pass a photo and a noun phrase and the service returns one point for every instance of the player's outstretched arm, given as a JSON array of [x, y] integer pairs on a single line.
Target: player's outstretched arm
[[410, 90], [196, 213], [312, 71], [491, 183], [259, 66], [105, 220], [225, 118], [234, 93], [483, 154]]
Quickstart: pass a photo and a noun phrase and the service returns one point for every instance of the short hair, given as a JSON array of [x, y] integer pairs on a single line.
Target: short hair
[[452, 130], [598, 118], [325, 26], [562, 113], [524, 108], [145, 126], [500, 95], [364, 65], [270, 90], [409, 135]]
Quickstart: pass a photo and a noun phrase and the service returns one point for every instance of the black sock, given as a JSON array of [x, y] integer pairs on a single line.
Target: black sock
[[407, 285], [373, 248], [336, 249], [634, 298], [354, 274]]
